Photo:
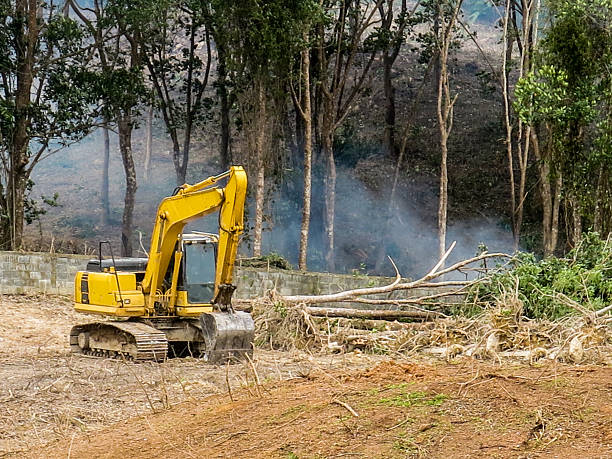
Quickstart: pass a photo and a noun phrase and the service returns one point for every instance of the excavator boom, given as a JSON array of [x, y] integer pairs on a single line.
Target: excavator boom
[[190, 203]]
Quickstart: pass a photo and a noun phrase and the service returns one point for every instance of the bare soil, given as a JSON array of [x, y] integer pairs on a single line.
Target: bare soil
[[55, 404]]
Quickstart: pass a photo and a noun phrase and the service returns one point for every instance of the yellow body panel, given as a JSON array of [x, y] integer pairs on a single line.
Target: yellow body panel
[[184, 309], [97, 293], [194, 310], [109, 310]]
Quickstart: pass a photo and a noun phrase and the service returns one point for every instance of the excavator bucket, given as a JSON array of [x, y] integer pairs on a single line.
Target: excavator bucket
[[227, 335]]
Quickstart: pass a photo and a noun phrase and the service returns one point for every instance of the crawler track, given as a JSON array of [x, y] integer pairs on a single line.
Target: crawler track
[[133, 340]]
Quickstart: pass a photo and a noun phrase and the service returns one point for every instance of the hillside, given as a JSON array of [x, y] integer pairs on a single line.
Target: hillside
[[477, 182]]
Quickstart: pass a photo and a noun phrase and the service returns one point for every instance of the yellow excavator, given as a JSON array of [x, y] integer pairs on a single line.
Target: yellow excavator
[[179, 299]]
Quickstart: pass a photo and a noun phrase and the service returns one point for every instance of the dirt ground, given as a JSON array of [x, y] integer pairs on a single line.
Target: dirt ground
[[285, 405]]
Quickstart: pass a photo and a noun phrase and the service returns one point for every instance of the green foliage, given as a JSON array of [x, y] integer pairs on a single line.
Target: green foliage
[[61, 109], [542, 95], [263, 37], [568, 94], [429, 13], [417, 398], [33, 209], [46, 101], [271, 260], [584, 276]]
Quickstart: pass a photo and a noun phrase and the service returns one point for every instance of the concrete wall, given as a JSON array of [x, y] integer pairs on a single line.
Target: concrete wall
[[54, 273]]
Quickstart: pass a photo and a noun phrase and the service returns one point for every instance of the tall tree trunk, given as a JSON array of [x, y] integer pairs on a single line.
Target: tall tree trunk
[[105, 215], [551, 198], [299, 127], [224, 109], [307, 124], [124, 124], [576, 219], [149, 143], [330, 195], [182, 173], [387, 14], [16, 188], [260, 190], [176, 157], [601, 200], [389, 133], [445, 117], [18, 176], [5, 222], [554, 225], [443, 197], [507, 57]]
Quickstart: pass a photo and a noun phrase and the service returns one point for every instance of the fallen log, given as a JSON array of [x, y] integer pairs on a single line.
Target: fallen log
[[374, 314], [397, 284]]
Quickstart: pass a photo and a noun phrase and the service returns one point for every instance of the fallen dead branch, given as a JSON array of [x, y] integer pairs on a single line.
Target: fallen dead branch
[[374, 314], [347, 406], [499, 332], [397, 284]]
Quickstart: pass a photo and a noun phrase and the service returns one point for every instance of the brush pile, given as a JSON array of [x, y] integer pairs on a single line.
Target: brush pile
[[498, 325], [498, 333]]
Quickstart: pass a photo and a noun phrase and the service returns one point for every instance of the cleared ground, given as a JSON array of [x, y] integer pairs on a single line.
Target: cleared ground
[[58, 405]]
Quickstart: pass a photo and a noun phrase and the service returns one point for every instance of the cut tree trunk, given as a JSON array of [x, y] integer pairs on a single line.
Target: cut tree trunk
[[374, 314]]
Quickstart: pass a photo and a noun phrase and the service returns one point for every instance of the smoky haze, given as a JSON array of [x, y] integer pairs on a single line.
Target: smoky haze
[[362, 200], [411, 240]]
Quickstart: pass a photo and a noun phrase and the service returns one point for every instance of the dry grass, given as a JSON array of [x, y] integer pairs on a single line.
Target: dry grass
[[48, 393]]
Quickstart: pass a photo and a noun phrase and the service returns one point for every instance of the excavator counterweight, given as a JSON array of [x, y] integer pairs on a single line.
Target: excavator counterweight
[[178, 300]]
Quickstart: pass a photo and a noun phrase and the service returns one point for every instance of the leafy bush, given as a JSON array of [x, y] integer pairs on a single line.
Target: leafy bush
[[543, 286], [272, 260]]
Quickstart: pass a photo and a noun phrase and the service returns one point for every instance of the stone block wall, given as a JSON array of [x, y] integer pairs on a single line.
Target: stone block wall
[[54, 274], [254, 282], [39, 272]]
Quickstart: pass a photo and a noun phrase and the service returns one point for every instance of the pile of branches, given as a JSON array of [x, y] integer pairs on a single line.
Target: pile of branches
[[418, 324]]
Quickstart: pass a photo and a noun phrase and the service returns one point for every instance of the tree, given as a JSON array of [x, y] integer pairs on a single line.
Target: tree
[[119, 84], [97, 29], [578, 42], [447, 13], [302, 102], [565, 99], [259, 41], [345, 56], [44, 100], [520, 25], [179, 77], [393, 30]]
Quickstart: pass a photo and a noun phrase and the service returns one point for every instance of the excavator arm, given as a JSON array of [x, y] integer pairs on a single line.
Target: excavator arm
[[189, 203]]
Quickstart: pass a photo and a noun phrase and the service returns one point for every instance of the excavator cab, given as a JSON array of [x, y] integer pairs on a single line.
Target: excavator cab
[[198, 267]]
